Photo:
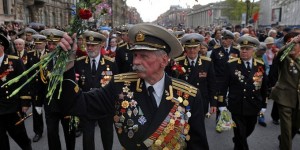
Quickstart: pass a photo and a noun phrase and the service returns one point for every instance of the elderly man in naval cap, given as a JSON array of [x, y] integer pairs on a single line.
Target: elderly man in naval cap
[[151, 109]]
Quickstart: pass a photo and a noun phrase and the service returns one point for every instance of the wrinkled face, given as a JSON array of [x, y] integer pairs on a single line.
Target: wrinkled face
[[125, 37], [93, 50], [52, 46], [192, 52], [148, 64], [20, 45], [246, 53], [40, 46]]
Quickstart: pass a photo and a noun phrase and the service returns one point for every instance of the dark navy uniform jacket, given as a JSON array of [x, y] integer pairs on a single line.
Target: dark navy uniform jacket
[[138, 125]]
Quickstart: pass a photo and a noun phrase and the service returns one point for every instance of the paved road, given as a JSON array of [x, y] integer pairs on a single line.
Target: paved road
[[261, 139]]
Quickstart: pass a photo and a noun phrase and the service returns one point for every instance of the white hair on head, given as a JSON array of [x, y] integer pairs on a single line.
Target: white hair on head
[[272, 31], [19, 40]]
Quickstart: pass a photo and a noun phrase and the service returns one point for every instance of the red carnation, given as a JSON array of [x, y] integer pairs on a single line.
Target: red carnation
[[85, 13]]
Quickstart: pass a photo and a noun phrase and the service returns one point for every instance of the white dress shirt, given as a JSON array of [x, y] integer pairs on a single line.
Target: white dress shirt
[[97, 59], [158, 89]]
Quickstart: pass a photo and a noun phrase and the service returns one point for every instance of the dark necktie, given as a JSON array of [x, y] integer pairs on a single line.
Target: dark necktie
[[192, 64], [150, 91], [94, 67], [248, 66], [226, 51]]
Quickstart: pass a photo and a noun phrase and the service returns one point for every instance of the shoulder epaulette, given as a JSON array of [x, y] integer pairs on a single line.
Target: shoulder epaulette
[[179, 58], [184, 87], [126, 77], [80, 58], [109, 58], [217, 46], [259, 61], [233, 60], [122, 44], [31, 51], [236, 47], [12, 57], [205, 58]]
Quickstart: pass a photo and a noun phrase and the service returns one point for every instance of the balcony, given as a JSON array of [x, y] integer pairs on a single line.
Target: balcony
[[39, 3]]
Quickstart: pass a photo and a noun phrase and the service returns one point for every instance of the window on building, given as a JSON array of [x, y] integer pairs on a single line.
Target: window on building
[[5, 6]]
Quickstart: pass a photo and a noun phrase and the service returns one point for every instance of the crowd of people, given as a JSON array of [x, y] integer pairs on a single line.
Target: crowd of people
[[154, 85]]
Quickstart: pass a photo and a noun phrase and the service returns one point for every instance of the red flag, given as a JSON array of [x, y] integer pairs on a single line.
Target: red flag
[[209, 12], [255, 16]]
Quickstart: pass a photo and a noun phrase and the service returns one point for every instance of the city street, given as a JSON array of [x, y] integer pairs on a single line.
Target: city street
[[261, 139]]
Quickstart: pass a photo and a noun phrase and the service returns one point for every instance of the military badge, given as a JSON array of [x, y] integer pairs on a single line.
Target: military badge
[[140, 37], [221, 54], [239, 75], [292, 67], [91, 38]]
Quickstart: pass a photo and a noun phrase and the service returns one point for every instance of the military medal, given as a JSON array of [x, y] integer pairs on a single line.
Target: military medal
[[116, 118], [135, 128], [129, 112], [142, 120], [130, 134], [135, 111], [292, 67], [126, 56]]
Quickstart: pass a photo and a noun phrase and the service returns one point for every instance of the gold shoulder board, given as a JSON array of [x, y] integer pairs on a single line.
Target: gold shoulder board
[[109, 58], [126, 77], [80, 58], [12, 57], [259, 61], [179, 58], [217, 46], [233, 60], [205, 58], [184, 87], [31, 51], [121, 45]]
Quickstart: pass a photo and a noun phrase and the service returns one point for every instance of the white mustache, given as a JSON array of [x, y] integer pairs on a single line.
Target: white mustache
[[138, 68]]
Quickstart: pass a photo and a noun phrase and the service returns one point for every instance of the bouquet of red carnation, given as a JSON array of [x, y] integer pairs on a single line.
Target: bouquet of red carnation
[[178, 69]]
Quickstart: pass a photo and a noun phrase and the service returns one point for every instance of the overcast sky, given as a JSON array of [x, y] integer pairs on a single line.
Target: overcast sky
[[151, 9]]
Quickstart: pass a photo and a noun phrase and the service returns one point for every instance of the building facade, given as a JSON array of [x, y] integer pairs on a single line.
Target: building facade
[[279, 12], [207, 15], [48, 12], [176, 16], [54, 13]]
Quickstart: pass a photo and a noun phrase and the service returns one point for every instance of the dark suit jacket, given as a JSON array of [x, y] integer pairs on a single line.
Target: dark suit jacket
[[244, 98], [201, 76], [106, 68], [111, 98], [124, 58], [11, 67], [286, 91], [220, 58]]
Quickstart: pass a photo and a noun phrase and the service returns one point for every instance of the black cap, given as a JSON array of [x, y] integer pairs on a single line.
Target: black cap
[[287, 30]]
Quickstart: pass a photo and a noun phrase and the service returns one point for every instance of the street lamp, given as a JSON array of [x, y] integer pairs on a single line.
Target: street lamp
[[247, 10]]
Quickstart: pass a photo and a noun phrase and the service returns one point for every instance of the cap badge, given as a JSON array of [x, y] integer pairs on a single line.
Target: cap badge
[[245, 42], [192, 40], [140, 37], [51, 36], [91, 38]]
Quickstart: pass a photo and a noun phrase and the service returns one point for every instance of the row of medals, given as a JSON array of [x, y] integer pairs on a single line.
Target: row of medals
[[175, 133], [292, 67], [130, 108]]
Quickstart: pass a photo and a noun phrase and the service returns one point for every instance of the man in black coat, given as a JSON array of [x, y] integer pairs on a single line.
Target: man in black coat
[[152, 110], [198, 70], [123, 55], [104, 70], [12, 109], [54, 108], [219, 56], [247, 83]]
